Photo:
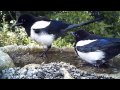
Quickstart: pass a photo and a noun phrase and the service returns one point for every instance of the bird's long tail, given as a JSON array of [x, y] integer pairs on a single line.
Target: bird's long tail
[[81, 24]]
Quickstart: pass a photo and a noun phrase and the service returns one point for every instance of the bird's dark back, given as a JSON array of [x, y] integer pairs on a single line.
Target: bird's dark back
[[57, 28], [44, 18]]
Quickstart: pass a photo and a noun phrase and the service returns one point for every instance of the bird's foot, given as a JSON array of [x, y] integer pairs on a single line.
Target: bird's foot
[[90, 65], [104, 65], [109, 65], [97, 65]]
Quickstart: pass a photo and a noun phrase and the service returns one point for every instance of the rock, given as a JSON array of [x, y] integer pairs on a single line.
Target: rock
[[5, 61], [49, 71], [31, 66], [41, 75], [66, 74]]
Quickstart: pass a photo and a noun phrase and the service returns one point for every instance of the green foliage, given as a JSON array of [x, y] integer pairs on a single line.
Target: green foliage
[[7, 37], [109, 27], [71, 16]]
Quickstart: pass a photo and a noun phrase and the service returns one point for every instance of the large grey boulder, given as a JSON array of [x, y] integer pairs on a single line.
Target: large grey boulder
[[5, 61]]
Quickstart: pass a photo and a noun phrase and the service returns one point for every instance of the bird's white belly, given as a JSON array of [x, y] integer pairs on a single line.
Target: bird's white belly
[[91, 57], [43, 38]]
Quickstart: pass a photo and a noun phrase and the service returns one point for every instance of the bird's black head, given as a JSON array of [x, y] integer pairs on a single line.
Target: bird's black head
[[80, 35], [25, 20]]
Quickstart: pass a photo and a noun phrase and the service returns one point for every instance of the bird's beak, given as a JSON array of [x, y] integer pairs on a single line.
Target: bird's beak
[[16, 24]]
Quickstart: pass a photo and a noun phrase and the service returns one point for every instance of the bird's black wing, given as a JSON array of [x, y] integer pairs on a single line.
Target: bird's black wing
[[100, 44], [57, 28]]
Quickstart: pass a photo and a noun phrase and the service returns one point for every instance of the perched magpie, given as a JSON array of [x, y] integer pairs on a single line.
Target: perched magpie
[[95, 49], [44, 30]]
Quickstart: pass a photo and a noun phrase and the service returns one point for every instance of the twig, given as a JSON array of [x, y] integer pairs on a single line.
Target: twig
[[11, 15]]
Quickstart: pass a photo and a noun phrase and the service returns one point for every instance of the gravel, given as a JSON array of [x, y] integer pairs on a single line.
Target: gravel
[[49, 71]]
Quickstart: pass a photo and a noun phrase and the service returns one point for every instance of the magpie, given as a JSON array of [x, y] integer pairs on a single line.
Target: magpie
[[94, 49], [44, 30]]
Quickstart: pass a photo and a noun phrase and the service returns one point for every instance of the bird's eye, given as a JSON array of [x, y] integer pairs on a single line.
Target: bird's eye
[[23, 20], [76, 34]]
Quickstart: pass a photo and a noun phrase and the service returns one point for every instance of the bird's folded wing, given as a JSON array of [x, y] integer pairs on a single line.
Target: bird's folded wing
[[100, 44]]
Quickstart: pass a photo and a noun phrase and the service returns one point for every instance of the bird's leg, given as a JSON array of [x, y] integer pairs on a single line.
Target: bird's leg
[[100, 63], [44, 53], [103, 64], [97, 65]]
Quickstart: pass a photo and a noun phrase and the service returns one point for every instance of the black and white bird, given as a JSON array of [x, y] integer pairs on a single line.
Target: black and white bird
[[44, 30], [94, 49]]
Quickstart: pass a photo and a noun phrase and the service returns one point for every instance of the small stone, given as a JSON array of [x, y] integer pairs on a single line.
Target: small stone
[[22, 77], [41, 75], [35, 77], [84, 78], [22, 71]]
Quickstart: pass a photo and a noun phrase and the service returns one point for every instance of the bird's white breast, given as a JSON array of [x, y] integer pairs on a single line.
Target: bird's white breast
[[43, 38], [90, 57]]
